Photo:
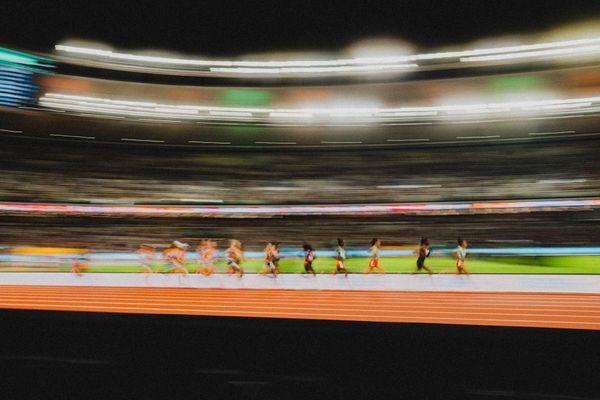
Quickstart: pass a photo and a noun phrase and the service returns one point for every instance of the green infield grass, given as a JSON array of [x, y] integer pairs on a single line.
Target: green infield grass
[[488, 265]]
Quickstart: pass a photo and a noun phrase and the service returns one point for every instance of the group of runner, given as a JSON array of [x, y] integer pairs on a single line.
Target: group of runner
[[174, 257]]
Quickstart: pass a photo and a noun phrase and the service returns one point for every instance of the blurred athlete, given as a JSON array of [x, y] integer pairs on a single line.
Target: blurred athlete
[[309, 257], [147, 255], [276, 256], [81, 265], [174, 256], [424, 252], [461, 253], [266, 255], [199, 255], [340, 258], [271, 259], [234, 255], [206, 251], [374, 260]]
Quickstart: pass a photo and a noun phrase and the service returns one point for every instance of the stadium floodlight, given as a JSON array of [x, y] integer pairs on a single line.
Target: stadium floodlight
[[348, 65]]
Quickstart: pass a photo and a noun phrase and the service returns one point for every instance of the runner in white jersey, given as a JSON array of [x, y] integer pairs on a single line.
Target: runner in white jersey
[[374, 260], [234, 255], [460, 252], [340, 258], [147, 256]]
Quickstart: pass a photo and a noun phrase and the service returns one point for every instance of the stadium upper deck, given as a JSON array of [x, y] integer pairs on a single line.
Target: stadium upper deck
[[521, 92]]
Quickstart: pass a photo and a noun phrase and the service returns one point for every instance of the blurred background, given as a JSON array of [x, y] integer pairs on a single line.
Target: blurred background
[[380, 137]]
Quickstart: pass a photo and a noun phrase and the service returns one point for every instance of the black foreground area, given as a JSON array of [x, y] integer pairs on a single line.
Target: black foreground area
[[59, 355]]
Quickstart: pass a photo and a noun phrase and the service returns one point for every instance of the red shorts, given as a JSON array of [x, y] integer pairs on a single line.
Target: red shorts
[[374, 263], [339, 264], [460, 263]]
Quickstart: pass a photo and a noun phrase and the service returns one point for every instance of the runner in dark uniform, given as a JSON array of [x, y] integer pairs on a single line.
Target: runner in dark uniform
[[309, 257], [276, 257], [424, 252]]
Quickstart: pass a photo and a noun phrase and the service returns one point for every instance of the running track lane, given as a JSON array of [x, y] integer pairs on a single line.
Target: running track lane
[[573, 311]]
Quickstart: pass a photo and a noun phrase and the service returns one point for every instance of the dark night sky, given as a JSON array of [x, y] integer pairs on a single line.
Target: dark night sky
[[221, 28]]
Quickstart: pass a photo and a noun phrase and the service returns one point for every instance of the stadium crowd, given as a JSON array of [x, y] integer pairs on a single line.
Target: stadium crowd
[[147, 176]]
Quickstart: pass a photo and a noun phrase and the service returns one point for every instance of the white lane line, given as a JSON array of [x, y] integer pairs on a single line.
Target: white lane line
[[479, 137], [548, 133], [142, 140], [206, 142], [10, 131], [275, 142], [481, 297], [72, 136], [461, 296], [582, 298], [339, 142], [408, 140]]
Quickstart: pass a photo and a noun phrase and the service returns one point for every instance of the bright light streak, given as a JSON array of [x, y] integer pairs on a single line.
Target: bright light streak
[[531, 54], [155, 111], [561, 181], [231, 113], [348, 65], [290, 115], [557, 106], [300, 70]]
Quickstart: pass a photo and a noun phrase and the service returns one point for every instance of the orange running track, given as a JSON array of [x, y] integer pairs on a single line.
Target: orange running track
[[573, 311]]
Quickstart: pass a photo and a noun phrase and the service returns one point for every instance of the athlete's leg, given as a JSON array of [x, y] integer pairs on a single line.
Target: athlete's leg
[[209, 269], [146, 269]]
